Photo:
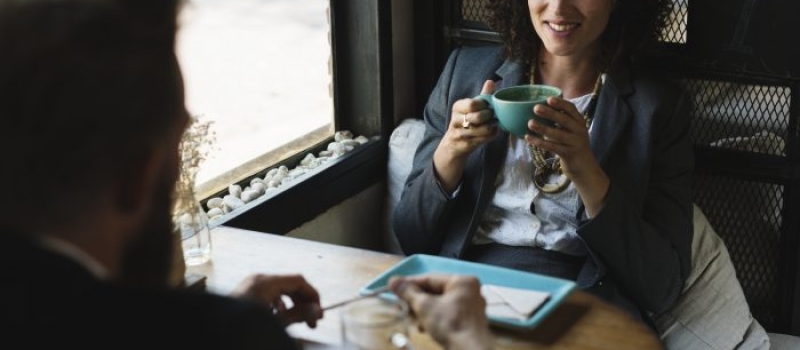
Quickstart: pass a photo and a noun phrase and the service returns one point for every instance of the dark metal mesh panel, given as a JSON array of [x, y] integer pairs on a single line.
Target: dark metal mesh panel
[[675, 30], [753, 118], [473, 14], [747, 215], [473, 10]]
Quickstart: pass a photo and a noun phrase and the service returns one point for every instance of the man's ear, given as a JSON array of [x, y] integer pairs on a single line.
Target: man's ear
[[138, 181]]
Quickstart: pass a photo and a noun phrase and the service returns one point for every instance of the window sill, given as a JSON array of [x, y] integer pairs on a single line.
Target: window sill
[[246, 171], [295, 203]]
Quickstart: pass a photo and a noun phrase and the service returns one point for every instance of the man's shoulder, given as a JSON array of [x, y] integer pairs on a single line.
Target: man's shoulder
[[144, 317], [238, 324]]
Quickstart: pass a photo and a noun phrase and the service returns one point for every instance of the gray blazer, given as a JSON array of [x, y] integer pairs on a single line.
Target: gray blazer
[[639, 244]]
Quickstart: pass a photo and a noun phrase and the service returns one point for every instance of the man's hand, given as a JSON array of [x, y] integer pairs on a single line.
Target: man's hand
[[450, 308], [269, 290]]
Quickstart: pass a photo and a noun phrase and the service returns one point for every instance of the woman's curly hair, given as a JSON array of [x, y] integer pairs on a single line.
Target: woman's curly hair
[[633, 25]]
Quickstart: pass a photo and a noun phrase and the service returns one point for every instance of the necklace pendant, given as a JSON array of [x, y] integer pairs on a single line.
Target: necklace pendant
[[541, 177], [555, 166]]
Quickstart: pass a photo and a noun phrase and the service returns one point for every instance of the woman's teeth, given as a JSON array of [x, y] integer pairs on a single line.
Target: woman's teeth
[[562, 27]]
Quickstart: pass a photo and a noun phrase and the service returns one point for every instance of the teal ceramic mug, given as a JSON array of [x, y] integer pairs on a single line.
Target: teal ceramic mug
[[513, 106]]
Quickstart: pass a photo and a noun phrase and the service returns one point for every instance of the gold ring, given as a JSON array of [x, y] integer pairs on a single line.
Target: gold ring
[[465, 124]]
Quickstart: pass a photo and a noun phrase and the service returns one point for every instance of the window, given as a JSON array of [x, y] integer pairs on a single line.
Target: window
[[259, 71], [355, 54]]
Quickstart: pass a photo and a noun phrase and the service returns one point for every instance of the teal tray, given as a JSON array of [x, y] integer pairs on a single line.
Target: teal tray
[[417, 264]]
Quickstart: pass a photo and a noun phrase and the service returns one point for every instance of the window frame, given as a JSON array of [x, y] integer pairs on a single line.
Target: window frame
[[361, 70]]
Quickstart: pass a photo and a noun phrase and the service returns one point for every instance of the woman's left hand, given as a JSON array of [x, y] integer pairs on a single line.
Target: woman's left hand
[[569, 139]]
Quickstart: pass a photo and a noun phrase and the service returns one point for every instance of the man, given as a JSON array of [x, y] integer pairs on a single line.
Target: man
[[92, 108]]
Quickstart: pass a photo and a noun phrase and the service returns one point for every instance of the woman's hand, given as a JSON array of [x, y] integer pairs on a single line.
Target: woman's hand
[[450, 308], [472, 124], [570, 141], [269, 291]]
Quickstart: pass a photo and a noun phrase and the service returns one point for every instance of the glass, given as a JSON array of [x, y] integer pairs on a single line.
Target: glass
[[375, 324], [259, 69], [195, 236]]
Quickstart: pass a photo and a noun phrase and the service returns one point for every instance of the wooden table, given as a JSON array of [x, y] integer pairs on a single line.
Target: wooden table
[[581, 322]]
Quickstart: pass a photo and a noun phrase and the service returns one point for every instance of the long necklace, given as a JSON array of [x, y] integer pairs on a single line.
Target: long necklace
[[547, 165]]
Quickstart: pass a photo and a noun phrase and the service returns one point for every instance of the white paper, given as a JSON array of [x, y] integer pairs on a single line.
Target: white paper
[[512, 303]]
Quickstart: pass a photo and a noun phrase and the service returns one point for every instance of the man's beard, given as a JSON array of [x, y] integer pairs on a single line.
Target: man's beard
[[148, 259]]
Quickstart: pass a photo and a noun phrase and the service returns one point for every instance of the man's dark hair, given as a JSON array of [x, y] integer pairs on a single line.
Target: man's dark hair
[[86, 86], [632, 26]]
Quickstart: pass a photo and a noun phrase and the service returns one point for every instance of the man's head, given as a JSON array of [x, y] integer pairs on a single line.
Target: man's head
[[92, 109]]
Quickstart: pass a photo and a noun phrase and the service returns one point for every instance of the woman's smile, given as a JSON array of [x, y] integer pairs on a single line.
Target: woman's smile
[[569, 27], [561, 28]]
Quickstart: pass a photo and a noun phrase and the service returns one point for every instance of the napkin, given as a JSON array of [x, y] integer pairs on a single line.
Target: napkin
[[512, 303]]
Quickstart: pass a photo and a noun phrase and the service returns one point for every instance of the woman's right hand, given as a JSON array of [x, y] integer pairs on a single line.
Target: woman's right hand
[[472, 124]]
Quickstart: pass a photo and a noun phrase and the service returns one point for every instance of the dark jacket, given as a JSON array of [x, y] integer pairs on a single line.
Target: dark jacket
[[639, 244], [51, 302]]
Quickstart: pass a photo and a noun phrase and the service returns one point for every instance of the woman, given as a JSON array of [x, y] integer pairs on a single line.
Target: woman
[[619, 223]]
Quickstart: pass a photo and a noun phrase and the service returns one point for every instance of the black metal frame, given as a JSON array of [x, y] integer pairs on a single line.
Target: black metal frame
[[361, 40], [303, 201], [791, 250], [361, 44]]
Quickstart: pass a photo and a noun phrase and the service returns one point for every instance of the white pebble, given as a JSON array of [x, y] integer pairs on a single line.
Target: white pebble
[[259, 187], [232, 202], [214, 212], [319, 161], [352, 143], [283, 170], [249, 196], [186, 219], [215, 202], [286, 180], [273, 184], [362, 139], [297, 172], [343, 135], [256, 180], [348, 148], [307, 160], [272, 172], [235, 190], [336, 147], [326, 153]]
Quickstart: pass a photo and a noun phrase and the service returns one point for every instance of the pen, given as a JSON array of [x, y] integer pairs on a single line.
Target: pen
[[368, 295]]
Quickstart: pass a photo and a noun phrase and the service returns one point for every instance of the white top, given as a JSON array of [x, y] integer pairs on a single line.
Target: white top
[[508, 219]]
